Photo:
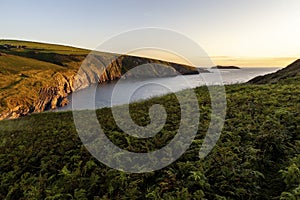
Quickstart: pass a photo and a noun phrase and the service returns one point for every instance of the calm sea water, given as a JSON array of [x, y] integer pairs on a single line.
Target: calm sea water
[[125, 91]]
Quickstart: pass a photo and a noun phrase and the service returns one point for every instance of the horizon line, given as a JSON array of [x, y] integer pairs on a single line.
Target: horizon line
[[223, 60]]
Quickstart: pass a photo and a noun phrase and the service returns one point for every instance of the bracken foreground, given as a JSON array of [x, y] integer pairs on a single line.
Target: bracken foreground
[[256, 157]]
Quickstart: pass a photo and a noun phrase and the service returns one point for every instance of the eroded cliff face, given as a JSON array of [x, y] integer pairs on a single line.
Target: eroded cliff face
[[47, 98], [99, 69], [95, 69], [54, 96]]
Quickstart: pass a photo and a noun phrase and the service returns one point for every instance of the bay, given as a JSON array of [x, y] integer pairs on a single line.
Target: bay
[[128, 91]]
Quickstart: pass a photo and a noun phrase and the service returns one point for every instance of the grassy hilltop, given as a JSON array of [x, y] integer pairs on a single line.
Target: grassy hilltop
[[256, 157]]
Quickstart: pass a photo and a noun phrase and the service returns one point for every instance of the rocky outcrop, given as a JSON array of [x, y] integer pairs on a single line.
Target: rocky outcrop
[[16, 112], [99, 69], [49, 98], [54, 96]]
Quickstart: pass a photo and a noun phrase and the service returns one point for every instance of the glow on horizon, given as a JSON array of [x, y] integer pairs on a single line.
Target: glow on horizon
[[248, 33], [254, 62], [217, 60]]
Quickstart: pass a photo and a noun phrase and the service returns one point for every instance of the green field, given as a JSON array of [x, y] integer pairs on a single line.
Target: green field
[[45, 48]]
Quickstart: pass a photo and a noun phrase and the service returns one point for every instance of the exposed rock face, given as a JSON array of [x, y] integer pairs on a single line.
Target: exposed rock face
[[16, 112], [95, 69], [99, 69], [54, 96], [48, 98]]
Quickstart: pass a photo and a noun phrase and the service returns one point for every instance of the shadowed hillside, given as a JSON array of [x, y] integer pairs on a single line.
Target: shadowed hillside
[[289, 74], [256, 157]]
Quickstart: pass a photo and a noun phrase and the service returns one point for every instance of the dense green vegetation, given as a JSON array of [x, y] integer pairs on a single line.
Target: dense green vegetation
[[256, 157]]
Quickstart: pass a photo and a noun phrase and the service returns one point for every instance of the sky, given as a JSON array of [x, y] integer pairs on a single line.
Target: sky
[[232, 32]]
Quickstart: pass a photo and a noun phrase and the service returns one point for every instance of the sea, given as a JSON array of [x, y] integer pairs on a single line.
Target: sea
[[126, 91]]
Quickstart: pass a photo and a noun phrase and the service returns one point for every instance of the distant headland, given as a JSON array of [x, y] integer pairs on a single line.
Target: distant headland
[[225, 67]]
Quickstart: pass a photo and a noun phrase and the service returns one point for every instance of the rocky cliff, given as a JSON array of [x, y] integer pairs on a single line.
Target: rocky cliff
[[47, 87]]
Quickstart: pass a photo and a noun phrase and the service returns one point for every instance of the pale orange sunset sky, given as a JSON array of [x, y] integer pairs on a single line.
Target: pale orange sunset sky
[[250, 33]]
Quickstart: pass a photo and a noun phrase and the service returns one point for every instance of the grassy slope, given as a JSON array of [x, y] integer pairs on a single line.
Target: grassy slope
[[24, 71], [47, 48], [289, 74], [260, 138]]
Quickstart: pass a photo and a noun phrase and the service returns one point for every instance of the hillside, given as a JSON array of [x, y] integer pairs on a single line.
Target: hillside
[[287, 74], [35, 77], [257, 156]]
